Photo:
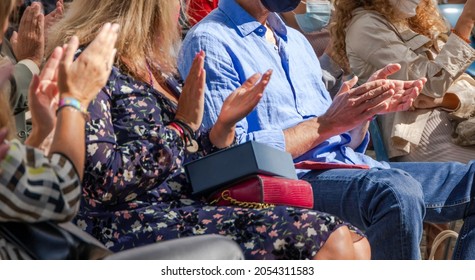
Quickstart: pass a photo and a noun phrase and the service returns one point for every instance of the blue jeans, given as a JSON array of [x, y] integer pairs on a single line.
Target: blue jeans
[[391, 204]]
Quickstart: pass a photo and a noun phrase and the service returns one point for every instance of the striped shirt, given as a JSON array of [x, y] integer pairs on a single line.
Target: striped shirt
[[35, 188]]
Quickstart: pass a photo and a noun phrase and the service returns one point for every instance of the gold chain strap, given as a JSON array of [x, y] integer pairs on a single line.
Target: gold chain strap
[[226, 195]]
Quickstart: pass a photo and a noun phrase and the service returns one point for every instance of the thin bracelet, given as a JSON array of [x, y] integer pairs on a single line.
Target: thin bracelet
[[72, 108], [73, 103], [185, 126], [177, 127], [460, 36], [191, 145]]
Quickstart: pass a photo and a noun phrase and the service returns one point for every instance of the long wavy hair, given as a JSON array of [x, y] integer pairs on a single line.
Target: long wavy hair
[[149, 31], [428, 22]]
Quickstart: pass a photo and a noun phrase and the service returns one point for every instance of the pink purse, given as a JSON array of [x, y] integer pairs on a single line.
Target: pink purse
[[263, 191]]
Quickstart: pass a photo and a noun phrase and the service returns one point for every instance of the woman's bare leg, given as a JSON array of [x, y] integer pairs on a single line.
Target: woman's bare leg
[[341, 246]]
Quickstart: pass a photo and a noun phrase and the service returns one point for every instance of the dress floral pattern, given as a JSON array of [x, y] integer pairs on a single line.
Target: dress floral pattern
[[135, 191]]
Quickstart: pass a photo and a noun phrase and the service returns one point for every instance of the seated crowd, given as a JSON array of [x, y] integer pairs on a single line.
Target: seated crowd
[[101, 100]]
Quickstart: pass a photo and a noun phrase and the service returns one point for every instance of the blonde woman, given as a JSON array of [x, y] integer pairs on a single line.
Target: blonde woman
[[371, 33], [135, 191]]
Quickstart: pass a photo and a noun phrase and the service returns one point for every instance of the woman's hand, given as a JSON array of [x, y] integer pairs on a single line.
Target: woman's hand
[[465, 23], [42, 99], [84, 77], [236, 107], [191, 103], [405, 92], [54, 16], [243, 100]]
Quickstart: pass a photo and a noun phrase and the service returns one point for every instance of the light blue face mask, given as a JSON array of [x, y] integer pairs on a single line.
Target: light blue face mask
[[316, 17]]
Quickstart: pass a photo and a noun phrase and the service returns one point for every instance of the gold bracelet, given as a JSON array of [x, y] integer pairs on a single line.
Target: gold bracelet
[[460, 36]]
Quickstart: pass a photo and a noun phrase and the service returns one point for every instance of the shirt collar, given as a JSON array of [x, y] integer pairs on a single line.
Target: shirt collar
[[246, 24]]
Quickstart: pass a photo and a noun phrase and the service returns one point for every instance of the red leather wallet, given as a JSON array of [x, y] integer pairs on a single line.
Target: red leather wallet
[[262, 191]]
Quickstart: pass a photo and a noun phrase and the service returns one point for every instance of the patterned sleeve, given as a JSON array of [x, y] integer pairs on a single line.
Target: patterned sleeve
[[36, 188], [129, 149]]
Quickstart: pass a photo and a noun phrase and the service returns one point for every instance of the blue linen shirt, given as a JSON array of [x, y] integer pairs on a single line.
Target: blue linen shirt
[[236, 48]]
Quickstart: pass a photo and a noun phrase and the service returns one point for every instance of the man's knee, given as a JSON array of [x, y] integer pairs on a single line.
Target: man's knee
[[395, 187]]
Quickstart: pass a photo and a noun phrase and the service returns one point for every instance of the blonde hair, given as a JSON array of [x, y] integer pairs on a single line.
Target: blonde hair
[[427, 22], [149, 31]]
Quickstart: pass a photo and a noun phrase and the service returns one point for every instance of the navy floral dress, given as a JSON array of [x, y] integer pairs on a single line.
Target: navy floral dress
[[135, 191]]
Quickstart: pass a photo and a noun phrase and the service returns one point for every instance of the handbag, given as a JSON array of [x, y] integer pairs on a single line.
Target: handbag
[[263, 191], [52, 241]]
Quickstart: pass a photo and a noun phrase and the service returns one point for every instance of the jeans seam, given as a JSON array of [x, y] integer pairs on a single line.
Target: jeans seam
[[443, 205]]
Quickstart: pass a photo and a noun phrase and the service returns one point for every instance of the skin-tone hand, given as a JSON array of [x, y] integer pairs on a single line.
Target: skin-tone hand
[[191, 103], [96, 60], [29, 42], [466, 20], [349, 112], [405, 91], [54, 16], [83, 80], [42, 100], [236, 107], [352, 107]]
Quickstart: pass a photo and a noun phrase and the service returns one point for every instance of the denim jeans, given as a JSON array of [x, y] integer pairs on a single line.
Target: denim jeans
[[391, 204]]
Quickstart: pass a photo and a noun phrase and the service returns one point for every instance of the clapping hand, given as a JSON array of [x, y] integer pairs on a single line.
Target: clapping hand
[[84, 77], [54, 16], [191, 103], [237, 106], [405, 92], [29, 42], [243, 100], [42, 98]]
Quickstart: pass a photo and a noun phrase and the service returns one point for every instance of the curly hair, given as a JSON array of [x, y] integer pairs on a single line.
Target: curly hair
[[428, 22]]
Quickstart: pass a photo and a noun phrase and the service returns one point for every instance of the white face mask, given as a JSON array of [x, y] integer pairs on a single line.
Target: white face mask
[[407, 8]]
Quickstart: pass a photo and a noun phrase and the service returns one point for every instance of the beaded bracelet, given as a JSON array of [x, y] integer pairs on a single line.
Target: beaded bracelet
[[460, 36], [72, 103]]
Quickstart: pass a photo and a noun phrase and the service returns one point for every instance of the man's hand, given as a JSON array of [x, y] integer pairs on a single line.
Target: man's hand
[[29, 42], [352, 107], [405, 91]]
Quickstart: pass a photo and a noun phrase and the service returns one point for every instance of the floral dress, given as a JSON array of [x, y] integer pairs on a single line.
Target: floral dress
[[135, 191]]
